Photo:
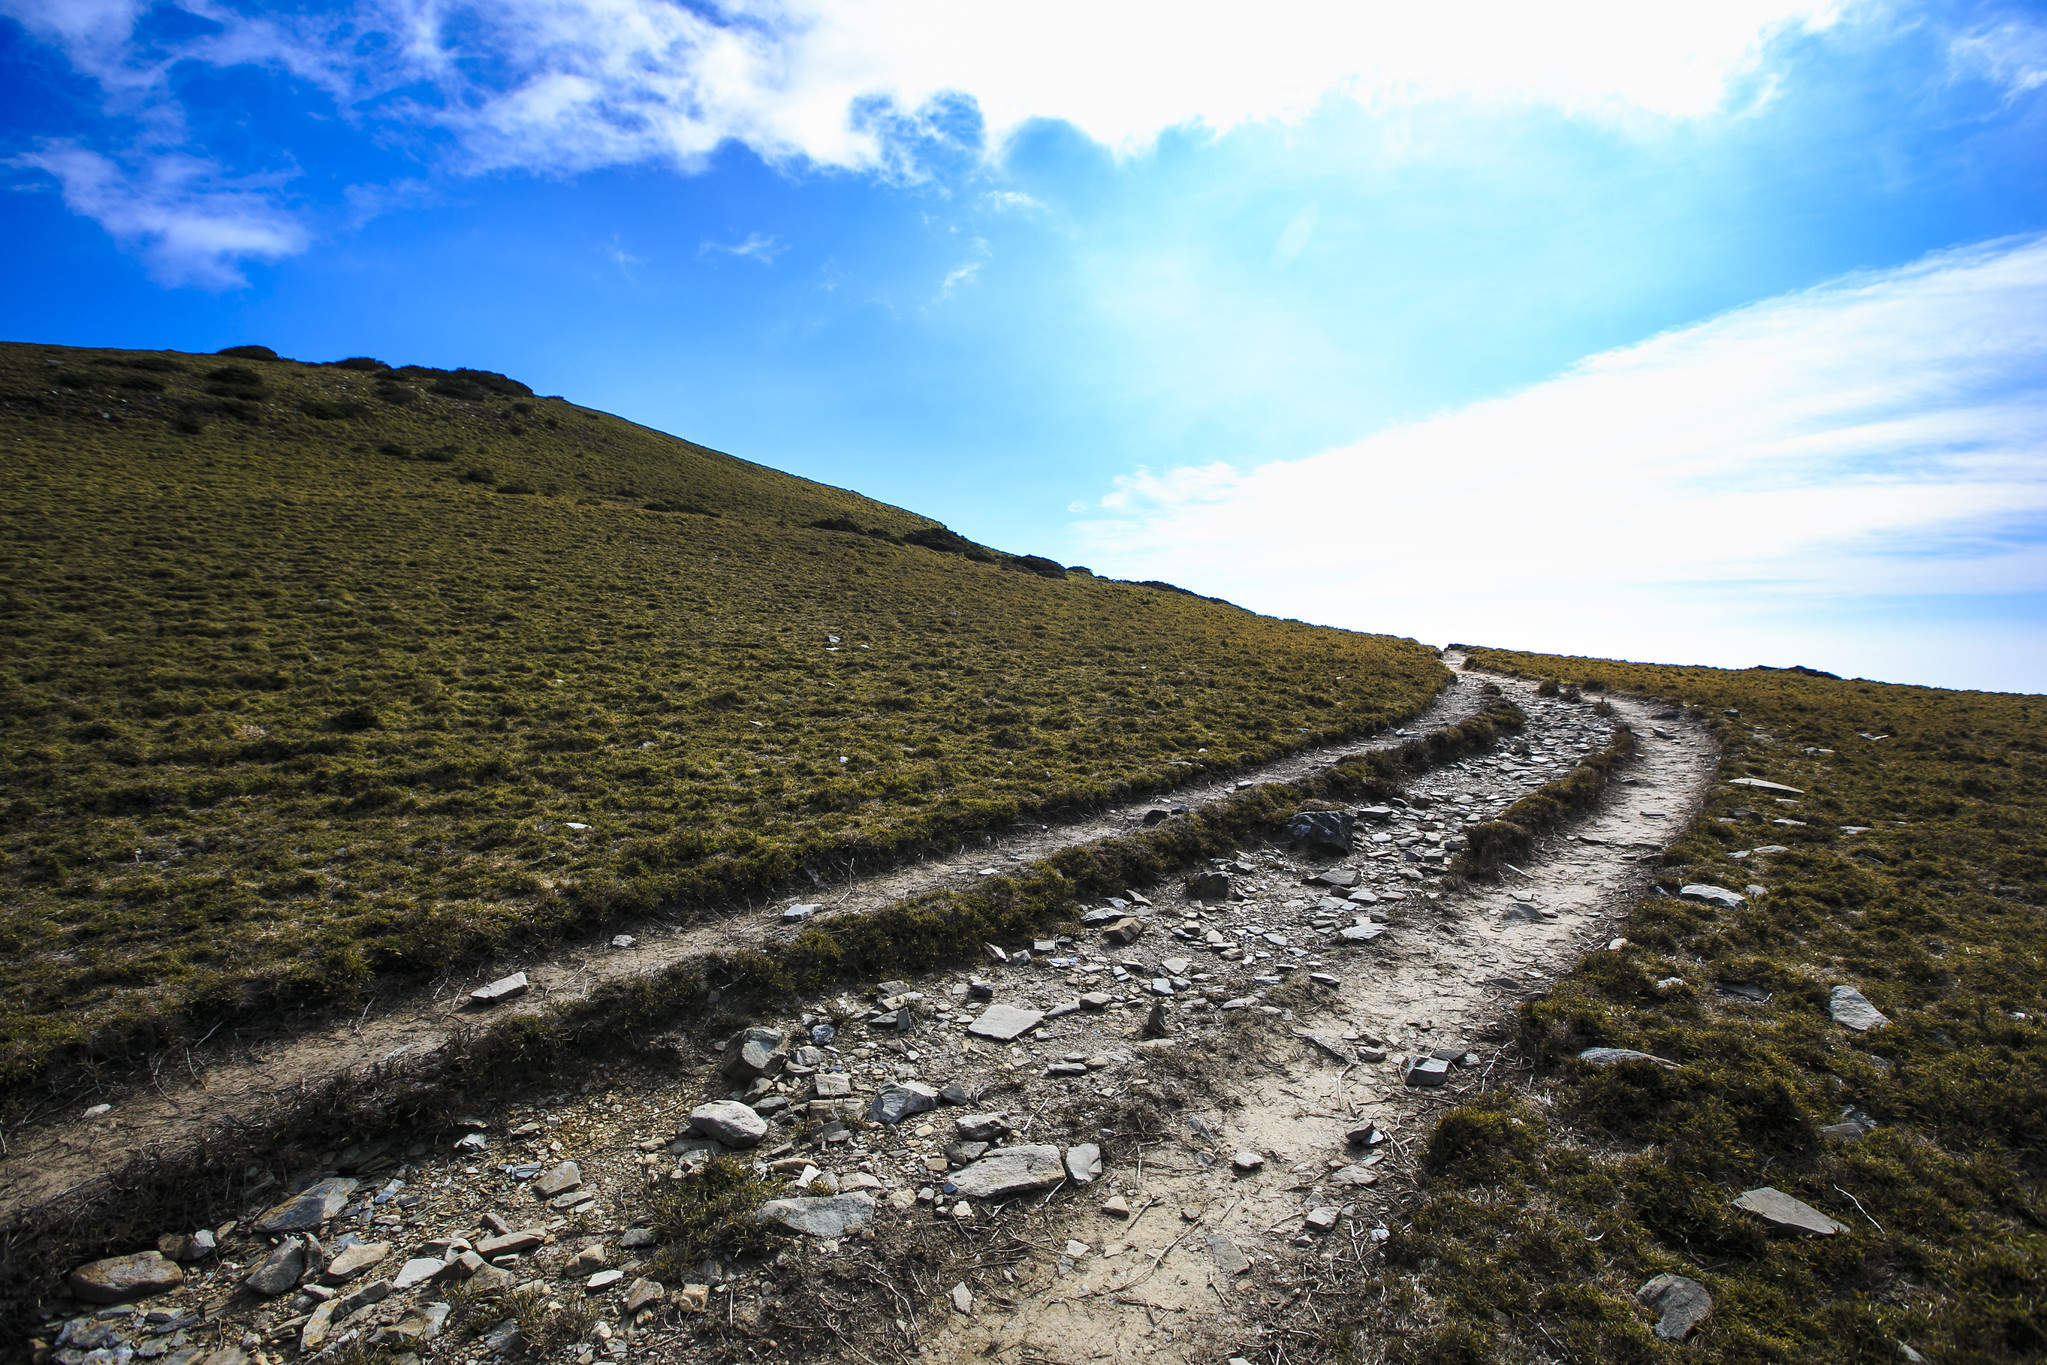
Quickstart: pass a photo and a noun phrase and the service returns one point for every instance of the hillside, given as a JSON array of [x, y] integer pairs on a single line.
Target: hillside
[[322, 676]]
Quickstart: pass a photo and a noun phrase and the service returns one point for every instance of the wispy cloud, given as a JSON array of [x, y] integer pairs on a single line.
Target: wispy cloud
[[756, 247], [190, 222], [1882, 435]]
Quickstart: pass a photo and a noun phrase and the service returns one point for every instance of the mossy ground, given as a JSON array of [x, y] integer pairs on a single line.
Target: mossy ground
[[315, 675], [1547, 1204]]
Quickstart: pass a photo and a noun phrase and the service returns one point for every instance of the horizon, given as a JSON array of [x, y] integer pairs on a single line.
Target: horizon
[[1635, 333]]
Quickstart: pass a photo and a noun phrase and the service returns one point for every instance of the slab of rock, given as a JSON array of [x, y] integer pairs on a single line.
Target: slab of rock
[[376, 1291], [1013, 1170], [1321, 1219], [1357, 1173], [1246, 1161], [316, 1327], [1851, 1009], [831, 1085], [981, 1127], [1762, 786], [962, 1299], [834, 1216], [1335, 876], [1128, 929], [1209, 886], [1683, 1304], [1786, 1214], [1712, 895], [1005, 1023], [1360, 933], [1427, 1071], [729, 1122], [560, 1180], [508, 1243], [642, 1293], [118, 1279], [1228, 1259], [753, 1052], [179, 1246], [1097, 1000], [305, 1211], [1084, 1163], [895, 1102], [353, 1260], [504, 988], [280, 1270], [418, 1270]]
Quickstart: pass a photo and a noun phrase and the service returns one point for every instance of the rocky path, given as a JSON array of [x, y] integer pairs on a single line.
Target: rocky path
[[232, 1078], [1254, 1192]]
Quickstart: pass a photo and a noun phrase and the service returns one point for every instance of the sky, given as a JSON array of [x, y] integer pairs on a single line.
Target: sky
[[1703, 333]]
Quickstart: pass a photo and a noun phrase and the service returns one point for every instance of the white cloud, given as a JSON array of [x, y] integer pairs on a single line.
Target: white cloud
[[571, 84], [756, 247], [192, 224], [1879, 437]]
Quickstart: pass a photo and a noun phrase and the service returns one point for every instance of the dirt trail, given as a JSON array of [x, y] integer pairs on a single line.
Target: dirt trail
[[1182, 1279], [231, 1081]]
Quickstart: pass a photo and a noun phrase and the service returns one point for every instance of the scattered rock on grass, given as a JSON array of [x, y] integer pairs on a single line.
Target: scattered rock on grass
[[1683, 1304], [504, 988], [1786, 1214], [1851, 1009], [308, 1209]]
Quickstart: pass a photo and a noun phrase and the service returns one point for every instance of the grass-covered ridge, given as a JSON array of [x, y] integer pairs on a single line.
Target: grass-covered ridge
[[1549, 1204], [310, 670]]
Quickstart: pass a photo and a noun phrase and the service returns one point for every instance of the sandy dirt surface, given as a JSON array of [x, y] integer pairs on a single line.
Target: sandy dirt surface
[[231, 1079]]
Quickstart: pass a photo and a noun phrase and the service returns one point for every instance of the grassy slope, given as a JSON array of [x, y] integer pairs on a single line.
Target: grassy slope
[[1934, 914], [303, 685]]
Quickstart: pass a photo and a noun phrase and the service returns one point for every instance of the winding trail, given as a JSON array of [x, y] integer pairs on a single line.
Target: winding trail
[[1167, 1284], [234, 1081]]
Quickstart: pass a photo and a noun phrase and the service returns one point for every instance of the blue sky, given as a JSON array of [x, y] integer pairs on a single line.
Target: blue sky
[[1702, 333]]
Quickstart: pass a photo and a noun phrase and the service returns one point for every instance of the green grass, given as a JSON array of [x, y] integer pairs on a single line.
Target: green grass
[[308, 670], [1548, 1205]]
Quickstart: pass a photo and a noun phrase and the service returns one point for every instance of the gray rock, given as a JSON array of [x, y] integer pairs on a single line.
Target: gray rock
[[504, 988], [280, 1270], [981, 1127], [1357, 1173], [374, 1292], [179, 1246], [1330, 830], [118, 1279], [1758, 784], [796, 914], [1851, 1009], [831, 1085], [418, 1270], [1321, 1219], [309, 1208], [508, 1243], [1783, 1212], [1712, 895], [642, 1293], [1209, 886], [729, 1122], [830, 1217], [962, 1299], [894, 1103], [502, 1339], [1084, 1163], [1005, 1023], [1360, 933], [1097, 1000], [316, 1327], [1013, 1170], [1247, 1162], [1124, 930], [560, 1180], [637, 1237], [1228, 1259], [753, 1052], [1683, 1304], [1614, 1056], [1427, 1071]]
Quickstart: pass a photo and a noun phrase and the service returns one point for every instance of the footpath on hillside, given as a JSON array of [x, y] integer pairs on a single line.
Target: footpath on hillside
[[231, 1080], [1140, 1141]]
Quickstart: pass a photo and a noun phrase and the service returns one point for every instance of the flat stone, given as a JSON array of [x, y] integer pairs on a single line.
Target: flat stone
[[1321, 1219], [1712, 895], [796, 914], [642, 1293], [1013, 1170], [753, 1052], [1851, 1009], [1116, 1206], [317, 1324], [1360, 933], [1209, 886], [509, 1243], [376, 1291], [1780, 1210], [560, 1180], [1683, 1304], [1005, 1023], [1084, 1163], [1128, 929], [831, 1085], [280, 1270], [417, 1271], [1614, 1056], [1333, 1046], [981, 1127], [353, 1260], [1758, 784], [729, 1122], [1357, 1173], [1330, 830], [896, 1102], [1344, 877], [1228, 1259], [833, 1216], [504, 988], [1097, 1000], [694, 1298], [1246, 1161], [311, 1207], [118, 1279], [604, 1279], [962, 1299]]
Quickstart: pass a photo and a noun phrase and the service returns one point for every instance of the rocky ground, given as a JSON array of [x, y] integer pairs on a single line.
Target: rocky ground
[[1146, 1139]]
